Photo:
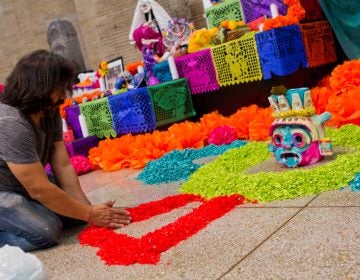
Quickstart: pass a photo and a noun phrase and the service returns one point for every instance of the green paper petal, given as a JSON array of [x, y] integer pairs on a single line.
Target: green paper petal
[[227, 174]]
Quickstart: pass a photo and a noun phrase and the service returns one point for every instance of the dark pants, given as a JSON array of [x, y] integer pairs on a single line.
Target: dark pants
[[28, 224]]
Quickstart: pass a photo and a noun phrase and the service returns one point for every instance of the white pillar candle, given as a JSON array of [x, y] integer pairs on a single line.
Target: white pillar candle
[[140, 69], [83, 126], [172, 66], [274, 10], [64, 125], [261, 27], [206, 4], [102, 84]]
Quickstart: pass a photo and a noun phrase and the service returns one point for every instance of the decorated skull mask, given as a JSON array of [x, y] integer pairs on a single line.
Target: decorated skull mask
[[298, 135]]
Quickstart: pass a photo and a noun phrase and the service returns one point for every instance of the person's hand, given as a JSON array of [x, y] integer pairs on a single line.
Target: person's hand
[[107, 216]]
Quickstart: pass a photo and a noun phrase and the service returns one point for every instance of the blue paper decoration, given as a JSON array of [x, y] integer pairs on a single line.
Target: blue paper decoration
[[281, 51], [132, 112]]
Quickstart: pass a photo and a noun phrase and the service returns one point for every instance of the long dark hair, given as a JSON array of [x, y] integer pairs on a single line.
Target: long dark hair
[[151, 14], [35, 77]]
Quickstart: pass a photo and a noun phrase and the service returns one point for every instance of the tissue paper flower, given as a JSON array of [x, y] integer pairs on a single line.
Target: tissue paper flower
[[81, 164], [222, 135]]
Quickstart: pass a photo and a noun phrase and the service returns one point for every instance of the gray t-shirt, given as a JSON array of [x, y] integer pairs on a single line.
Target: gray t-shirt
[[23, 142]]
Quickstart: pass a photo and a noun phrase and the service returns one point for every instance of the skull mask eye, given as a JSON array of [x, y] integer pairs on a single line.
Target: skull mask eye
[[277, 139], [299, 140]]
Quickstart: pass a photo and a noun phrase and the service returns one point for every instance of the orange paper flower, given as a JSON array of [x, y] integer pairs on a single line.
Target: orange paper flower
[[131, 151], [294, 14], [190, 135], [212, 120], [339, 94], [132, 67], [259, 125], [344, 108], [320, 96], [346, 76]]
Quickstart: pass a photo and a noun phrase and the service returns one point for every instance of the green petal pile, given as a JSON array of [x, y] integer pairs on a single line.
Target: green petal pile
[[227, 174]]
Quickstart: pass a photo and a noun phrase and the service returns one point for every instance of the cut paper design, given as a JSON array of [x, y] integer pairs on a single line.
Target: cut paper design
[[313, 10], [281, 51], [132, 112], [72, 118], [121, 249], [199, 69], [81, 147], [254, 9], [171, 101], [319, 43], [229, 9], [237, 61], [162, 71], [98, 118]]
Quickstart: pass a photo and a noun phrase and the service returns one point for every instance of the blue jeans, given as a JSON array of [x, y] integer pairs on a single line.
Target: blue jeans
[[28, 224]]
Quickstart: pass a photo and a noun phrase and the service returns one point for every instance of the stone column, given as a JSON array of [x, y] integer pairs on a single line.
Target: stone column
[[63, 40]]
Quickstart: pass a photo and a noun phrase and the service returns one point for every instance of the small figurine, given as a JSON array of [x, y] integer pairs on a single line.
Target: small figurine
[[123, 80], [149, 13], [298, 134], [176, 36], [107, 93], [103, 69], [149, 62], [138, 80]]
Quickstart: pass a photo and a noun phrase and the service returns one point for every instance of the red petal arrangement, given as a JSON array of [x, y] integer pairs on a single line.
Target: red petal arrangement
[[121, 249], [153, 208]]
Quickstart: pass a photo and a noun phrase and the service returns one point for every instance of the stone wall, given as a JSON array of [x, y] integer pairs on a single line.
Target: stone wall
[[102, 27], [23, 27]]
